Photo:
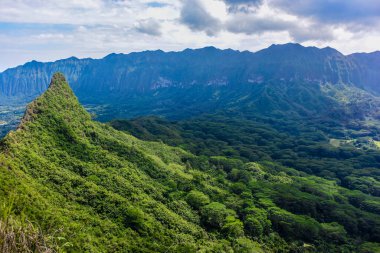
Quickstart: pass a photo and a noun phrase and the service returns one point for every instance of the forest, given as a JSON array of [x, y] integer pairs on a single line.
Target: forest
[[70, 184]]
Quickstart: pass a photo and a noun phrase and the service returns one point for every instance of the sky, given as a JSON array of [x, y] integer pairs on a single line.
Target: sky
[[48, 30]]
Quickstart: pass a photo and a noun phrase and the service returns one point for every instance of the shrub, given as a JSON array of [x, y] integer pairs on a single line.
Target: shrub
[[233, 227], [197, 199], [215, 214]]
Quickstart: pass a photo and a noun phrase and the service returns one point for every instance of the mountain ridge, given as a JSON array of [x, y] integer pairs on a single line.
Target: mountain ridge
[[145, 71], [32, 62]]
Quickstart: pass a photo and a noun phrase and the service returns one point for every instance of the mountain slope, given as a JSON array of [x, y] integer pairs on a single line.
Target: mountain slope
[[75, 173], [92, 188]]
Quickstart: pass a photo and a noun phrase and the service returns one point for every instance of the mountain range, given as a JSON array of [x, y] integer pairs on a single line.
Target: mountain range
[[125, 74]]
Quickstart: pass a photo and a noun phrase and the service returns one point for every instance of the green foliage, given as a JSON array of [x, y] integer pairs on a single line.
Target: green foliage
[[334, 232], [197, 199], [233, 227], [286, 139], [244, 245], [290, 225], [369, 247], [271, 198], [135, 219], [253, 226], [103, 190], [215, 214]]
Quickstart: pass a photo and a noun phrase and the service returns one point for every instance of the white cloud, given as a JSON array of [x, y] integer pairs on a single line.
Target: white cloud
[[149, 26], [197, 18]]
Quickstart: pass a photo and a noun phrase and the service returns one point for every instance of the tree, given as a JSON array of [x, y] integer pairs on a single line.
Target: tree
[[197, 199], [334, 232], [253, 226], [244, 245], [135, 218], [233, 227], [215, 213]]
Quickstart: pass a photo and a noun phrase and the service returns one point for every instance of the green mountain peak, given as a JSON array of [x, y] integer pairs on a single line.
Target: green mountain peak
[[58, 102]]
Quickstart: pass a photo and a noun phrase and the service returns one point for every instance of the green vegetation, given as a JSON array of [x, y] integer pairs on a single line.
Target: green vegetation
[[318, 147], [90, 188]]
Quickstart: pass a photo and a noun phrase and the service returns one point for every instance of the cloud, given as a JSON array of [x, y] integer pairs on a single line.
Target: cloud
[[149, 26], [312, 20], [314, 32], [251, 24], [73, 12], [194, 15], [243, 18], [50, 36], [246, 6], [343, 12]]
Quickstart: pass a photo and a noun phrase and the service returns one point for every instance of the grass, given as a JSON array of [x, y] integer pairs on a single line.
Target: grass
[[16, 238], [20, 235]]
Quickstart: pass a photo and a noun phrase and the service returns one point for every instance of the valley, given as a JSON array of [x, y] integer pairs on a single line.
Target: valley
[[10, 116]]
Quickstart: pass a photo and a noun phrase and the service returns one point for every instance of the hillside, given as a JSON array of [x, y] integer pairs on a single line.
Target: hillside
[[83, 186]]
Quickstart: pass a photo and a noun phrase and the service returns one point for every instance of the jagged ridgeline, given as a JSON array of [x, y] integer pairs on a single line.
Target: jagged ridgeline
[[70, 184]]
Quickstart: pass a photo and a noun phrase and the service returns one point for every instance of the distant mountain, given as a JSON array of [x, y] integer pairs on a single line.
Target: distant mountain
[[15, 83], [293, 61], [118, 75], [368, 65]]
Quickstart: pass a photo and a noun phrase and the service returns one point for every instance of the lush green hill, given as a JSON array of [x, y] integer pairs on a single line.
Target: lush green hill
[[71, 184]]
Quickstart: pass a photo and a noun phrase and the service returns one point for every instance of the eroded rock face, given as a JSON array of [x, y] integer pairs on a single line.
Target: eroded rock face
[[33, 78]]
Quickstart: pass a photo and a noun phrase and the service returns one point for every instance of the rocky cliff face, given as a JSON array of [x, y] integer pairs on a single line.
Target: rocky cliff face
[[293, 61], [368, 70], [33, 78], [120, 75]]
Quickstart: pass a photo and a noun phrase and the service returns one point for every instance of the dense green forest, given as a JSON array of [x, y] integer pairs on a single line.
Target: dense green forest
[[70, 184], [347, 154]]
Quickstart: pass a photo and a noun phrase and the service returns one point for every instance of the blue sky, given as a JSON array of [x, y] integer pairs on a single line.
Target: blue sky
[[47, 30]]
